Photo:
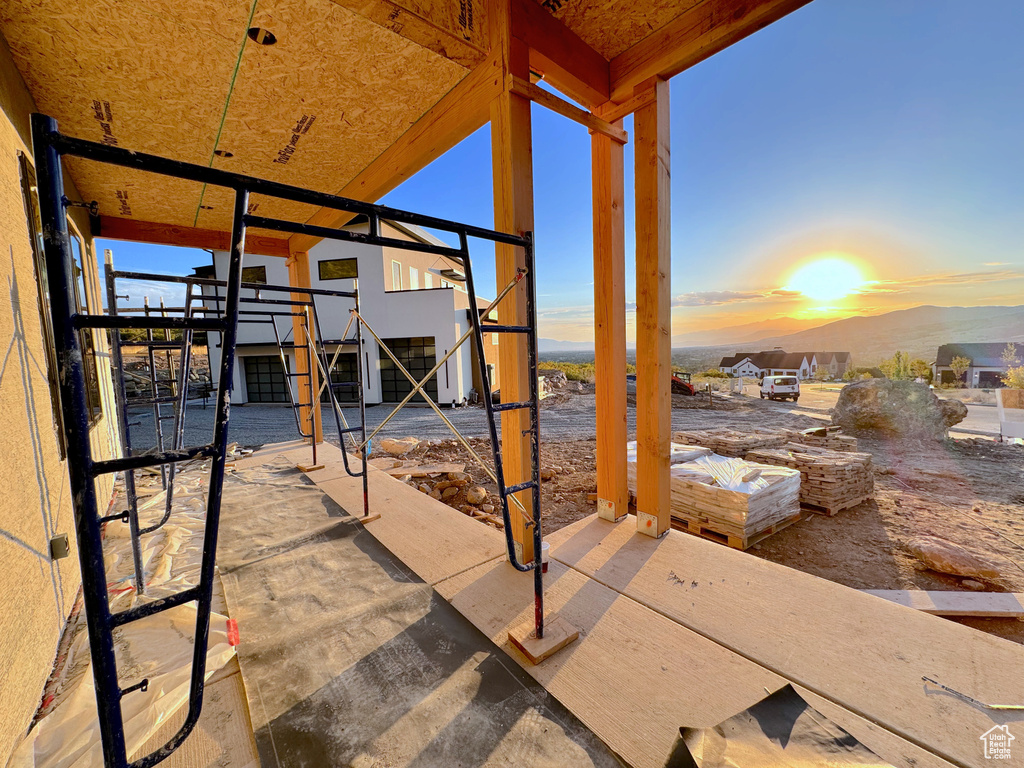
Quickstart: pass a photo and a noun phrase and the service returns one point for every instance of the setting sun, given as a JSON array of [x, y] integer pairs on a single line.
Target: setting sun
[[826, 279]]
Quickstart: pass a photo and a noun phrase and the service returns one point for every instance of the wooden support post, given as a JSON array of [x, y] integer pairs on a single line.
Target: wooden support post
[[309, 417], [610, 324], [512, 162], [654, 313]]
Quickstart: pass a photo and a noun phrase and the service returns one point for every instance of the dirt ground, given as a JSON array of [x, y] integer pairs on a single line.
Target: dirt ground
[[966, 491]]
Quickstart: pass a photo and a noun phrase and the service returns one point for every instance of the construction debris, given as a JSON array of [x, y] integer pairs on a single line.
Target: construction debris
[[830, 481], [398, 447]]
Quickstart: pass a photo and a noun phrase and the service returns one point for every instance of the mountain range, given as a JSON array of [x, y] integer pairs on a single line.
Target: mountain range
[[918, 331]]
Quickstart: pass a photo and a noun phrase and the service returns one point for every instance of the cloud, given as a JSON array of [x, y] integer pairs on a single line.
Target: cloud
[[712, 298], [948, 278]]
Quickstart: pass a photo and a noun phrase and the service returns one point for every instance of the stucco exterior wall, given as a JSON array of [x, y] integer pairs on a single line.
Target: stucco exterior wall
[[36, 594]]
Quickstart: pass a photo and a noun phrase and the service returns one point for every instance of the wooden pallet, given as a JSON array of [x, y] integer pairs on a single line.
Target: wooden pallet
[[730, 539], [836, 508]]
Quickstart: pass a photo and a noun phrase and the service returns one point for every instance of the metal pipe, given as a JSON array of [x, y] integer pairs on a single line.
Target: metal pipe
[[121, 405], [443, 360]]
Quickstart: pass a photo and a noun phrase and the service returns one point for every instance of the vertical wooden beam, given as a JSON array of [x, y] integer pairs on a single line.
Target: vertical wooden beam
[[512, 165], [309, 417], [607, 172], [654, 315]]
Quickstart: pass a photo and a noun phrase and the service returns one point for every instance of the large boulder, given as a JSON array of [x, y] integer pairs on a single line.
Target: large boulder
[[946, 557], [884, 408]]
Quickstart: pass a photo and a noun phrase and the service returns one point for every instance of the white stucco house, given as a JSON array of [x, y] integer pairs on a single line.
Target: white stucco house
[[778, 362], [415, 302]]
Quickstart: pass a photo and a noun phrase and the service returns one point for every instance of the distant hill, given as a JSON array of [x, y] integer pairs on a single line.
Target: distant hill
[[919, 331], [555, 345], [743, 334]]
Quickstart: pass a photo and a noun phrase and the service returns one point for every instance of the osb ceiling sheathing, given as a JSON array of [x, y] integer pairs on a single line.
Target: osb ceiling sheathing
[[612, 26], [169, 77]]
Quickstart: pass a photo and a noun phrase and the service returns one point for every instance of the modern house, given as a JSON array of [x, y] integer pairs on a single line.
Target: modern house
[[415, 302], [778, 362], [987, 365]]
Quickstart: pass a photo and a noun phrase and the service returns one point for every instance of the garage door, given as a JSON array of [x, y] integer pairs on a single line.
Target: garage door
[[265, 381], [418, 357]]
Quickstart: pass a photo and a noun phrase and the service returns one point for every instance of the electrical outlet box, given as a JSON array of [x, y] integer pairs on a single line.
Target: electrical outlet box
[[59, 547]]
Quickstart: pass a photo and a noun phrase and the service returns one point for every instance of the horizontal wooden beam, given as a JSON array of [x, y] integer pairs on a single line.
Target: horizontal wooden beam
[[567, 63], [454, 34], [547, 99], [464, 109], [690, 38], [613, 112], [187, 237]]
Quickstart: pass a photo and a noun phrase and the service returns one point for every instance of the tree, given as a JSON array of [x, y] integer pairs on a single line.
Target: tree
[[959, 366], [919, 369], [897, 366], [1010, 359]]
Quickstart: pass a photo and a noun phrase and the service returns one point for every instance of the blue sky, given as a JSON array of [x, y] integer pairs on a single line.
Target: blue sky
[[887, 132]]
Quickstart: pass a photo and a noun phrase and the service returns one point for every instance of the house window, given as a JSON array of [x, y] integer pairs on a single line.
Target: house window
[[30, 198], [417, 356], [396, 276], [265, 380], [338, 269], [414, 279], [494, 339], [428, 280], [254, 275]]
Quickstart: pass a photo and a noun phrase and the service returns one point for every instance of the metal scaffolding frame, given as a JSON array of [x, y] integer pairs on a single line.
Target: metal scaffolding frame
[[259, 309], [49, 146]]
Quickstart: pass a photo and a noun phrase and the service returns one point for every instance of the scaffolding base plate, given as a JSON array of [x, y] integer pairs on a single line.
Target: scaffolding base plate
[[309, 467], [558, 633]]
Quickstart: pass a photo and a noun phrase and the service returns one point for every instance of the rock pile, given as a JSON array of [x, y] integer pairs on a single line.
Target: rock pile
[[885, 408]]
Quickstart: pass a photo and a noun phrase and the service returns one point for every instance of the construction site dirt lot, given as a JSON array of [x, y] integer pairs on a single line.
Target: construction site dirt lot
[[965, 491]]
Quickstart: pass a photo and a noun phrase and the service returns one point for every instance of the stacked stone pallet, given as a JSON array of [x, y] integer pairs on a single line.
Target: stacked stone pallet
[[830, 481], [733, 442], [826, 437], [700, 504]]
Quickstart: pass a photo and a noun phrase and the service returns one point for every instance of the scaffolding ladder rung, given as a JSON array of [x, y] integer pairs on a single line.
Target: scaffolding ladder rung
[[508, 329], [510, 489], [512, 406], [148, 609], [152, 459]]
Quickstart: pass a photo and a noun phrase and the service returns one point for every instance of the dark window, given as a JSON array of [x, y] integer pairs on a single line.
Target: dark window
[[31, 200], [418, 357], [265, 380], [344, 372], [338, 269], [254, 275]]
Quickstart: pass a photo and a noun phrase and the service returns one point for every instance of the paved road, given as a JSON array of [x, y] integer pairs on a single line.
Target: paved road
[[574, 420]]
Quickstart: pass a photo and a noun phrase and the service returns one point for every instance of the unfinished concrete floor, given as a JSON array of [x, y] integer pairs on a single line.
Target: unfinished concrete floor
[[350, 658]]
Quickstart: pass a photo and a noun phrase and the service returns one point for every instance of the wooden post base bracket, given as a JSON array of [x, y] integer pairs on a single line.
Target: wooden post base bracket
[[309, 467], [557, 634]]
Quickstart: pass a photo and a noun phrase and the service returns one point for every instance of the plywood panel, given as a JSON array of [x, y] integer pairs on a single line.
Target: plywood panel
[[330, 95], [611, 27], [866, 654], [633, 689], [150, 77], [181, 79]]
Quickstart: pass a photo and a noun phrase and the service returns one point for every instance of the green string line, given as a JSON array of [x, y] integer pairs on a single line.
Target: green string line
[[227, 103]]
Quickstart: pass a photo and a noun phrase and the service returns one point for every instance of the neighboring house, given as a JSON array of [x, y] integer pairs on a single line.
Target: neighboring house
[[778, 362], [415, 302], [987, 366]]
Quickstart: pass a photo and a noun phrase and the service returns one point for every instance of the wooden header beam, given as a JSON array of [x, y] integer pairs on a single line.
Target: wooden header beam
[[568, 63], [187, 237], [547, 99], [691, 37]]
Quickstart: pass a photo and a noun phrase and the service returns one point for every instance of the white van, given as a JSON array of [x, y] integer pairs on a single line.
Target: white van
[[780, 387]]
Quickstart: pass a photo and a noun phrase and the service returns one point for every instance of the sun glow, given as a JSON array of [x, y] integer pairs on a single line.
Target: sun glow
[[826, 279]]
